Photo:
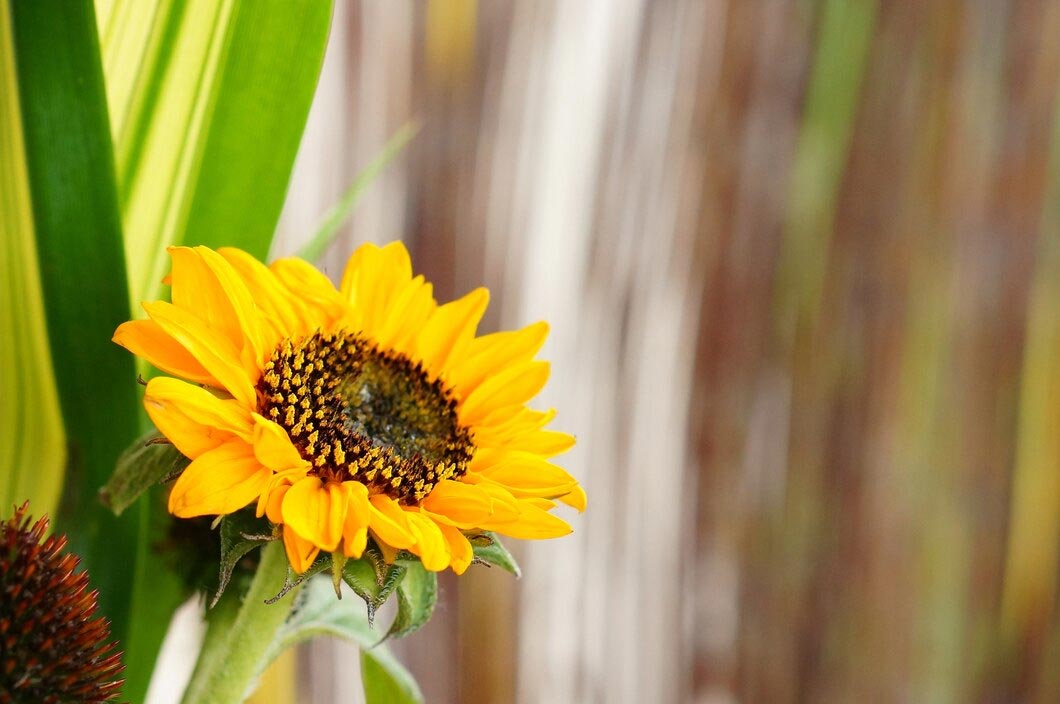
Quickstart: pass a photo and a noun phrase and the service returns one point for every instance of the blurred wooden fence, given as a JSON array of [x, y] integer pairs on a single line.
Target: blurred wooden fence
[[802, 264]]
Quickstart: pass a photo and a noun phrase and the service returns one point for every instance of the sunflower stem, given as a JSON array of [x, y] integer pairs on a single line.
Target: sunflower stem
[[239, 635]]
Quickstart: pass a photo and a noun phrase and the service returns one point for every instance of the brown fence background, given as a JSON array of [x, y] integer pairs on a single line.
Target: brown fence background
[[802, 264]]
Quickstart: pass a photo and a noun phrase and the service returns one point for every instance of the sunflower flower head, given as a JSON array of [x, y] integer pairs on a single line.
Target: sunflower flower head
[[53, 648], [367, 412]]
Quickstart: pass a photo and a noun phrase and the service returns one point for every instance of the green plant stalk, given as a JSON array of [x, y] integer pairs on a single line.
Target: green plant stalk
[[239, 636], [216, 84], [335, 217]]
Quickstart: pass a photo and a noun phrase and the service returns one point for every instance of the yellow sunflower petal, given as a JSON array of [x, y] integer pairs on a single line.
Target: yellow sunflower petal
[[360, 260], [528, 475], [273, 447], [546, 443], [461, 552], [200, 405], [214, 351], [300, 552], [196, 289], [358, 516], [354, 544], [316, 511], [534, 523], [147, 339], [371, 281], [501, 417], [491, 354], [274, 503], [389, 553], [450, 329], [207, 285], [410, 311], [577, 499], [311, 287], [487, 457], [430, 545], [514, 385], [504, 509], [543, 504], [389, 522], [282, 311], [465, 505], [501, 426], [359, 266], [192, 418], [220, 481]]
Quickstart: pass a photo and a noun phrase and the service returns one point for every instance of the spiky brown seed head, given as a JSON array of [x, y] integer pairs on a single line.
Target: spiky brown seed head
[[53, 649]]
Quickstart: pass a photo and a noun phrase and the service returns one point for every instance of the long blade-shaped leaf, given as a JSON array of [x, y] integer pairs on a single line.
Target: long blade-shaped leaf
[[32, 444], [208, 102], [79, 245], [206, 134]]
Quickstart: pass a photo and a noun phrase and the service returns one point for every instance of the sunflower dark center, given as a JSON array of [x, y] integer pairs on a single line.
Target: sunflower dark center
[[358, 412]]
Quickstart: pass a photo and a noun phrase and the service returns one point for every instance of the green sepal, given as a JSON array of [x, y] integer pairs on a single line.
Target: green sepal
[[417, 594], [338, 564], [241, 532], [372, 579], [292, 580], [490, 551], [149, 461]]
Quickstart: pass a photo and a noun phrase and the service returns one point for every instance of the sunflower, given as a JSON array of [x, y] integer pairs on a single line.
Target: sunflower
[[367, 411]]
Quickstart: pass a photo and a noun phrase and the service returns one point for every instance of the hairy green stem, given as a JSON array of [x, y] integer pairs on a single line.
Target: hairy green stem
[[239, 635]]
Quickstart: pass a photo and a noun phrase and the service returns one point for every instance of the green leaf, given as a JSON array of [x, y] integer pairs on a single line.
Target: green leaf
[[79, 247], [335, 217], [318, 613], [207, 132], [490, 551], [417, 593], [149, 461], [385, 680], [241, 532], [32, 442]]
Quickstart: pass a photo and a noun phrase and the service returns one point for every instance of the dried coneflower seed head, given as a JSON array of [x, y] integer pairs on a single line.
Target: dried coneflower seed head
[[53, 649]]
